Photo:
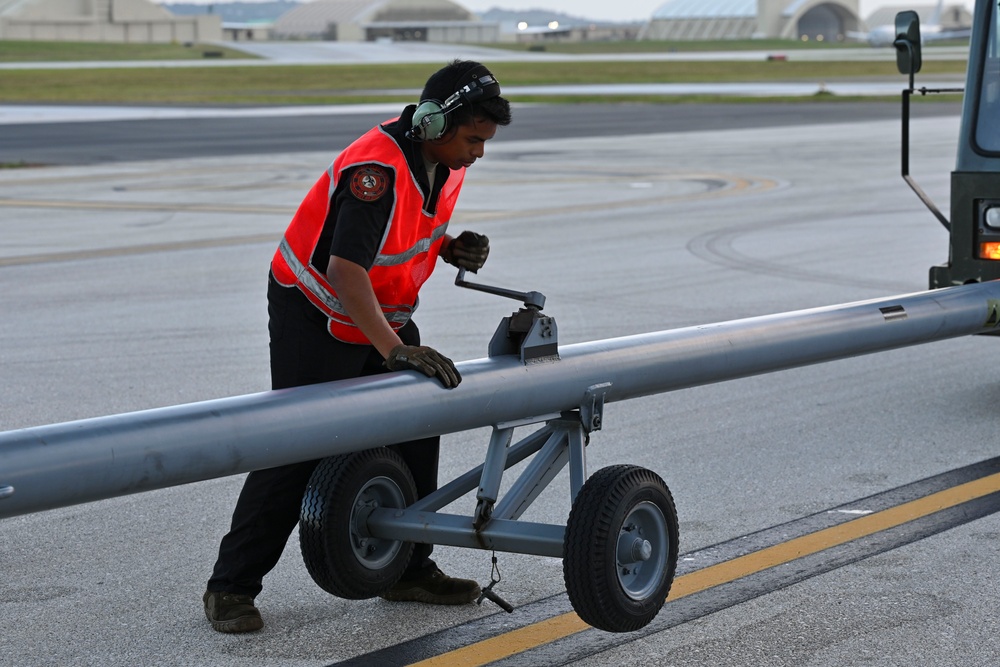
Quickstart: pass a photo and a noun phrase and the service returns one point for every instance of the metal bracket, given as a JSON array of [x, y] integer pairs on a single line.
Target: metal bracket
[[905, 150], [528, 334], [592, 408]]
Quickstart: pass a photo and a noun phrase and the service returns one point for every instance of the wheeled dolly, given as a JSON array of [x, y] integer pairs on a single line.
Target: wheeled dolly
[[360, 514]]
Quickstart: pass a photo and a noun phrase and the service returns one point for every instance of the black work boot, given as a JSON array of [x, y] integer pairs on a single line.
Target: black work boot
[[231, 612], [434, 587]]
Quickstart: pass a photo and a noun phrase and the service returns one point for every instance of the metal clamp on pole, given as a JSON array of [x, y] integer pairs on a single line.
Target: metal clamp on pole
[[592, 408], [526, 333]]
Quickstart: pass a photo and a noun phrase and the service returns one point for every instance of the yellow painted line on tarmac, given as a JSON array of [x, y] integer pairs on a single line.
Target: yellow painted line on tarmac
[[564, 625]]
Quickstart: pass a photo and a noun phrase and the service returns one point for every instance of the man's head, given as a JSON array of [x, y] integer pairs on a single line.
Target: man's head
[[460, 110], [458, 94]]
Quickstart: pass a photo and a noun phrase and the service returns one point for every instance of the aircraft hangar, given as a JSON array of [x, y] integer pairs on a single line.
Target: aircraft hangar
[[102, 21], [439, 21], [824, 20], [145, 21]]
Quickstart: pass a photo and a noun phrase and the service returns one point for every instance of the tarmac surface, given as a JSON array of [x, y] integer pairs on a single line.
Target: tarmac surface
[[66, 135], [128, 285]]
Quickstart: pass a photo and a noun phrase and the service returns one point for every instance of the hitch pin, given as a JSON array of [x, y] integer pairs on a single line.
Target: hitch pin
[[488, 594]]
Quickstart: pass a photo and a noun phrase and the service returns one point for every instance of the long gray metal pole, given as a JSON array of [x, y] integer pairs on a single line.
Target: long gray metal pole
[[64, 464]]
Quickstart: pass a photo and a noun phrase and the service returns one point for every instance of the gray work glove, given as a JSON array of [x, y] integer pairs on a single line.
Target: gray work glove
[[427, 360], [467, 251]]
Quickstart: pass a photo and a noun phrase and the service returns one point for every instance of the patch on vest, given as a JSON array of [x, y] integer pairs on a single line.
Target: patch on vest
[[369, 183]]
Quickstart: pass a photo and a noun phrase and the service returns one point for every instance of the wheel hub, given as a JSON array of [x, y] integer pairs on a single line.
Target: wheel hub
[[372, 552], [643, 545]]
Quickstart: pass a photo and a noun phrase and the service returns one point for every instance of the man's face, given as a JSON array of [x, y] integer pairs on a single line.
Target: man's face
[[462, 145]]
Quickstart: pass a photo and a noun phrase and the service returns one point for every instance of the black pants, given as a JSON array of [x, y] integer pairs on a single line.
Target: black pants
[[302, 352]]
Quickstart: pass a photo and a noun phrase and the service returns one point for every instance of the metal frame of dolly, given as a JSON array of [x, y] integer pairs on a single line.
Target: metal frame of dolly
[[620, 586]]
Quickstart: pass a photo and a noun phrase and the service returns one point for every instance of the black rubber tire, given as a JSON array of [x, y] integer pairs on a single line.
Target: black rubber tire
[[626, 510], [338, 558]]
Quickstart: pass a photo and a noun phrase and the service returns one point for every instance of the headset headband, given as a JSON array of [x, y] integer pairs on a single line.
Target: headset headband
[[473, 91]]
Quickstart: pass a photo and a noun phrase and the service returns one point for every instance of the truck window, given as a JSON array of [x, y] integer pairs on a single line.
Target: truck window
[[987, 137]]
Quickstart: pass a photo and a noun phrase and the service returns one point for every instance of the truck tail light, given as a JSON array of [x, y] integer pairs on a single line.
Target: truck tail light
[[989, 230], [989, 250]]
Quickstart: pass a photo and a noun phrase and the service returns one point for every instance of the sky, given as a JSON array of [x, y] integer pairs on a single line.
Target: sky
[[639, 10]]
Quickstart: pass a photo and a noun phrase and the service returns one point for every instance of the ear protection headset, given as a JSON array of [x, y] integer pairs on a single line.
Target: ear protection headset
[[430, 119]]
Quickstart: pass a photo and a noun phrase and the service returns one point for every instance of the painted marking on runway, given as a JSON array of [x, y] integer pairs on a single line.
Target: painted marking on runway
[[833, 536], [723, 575]]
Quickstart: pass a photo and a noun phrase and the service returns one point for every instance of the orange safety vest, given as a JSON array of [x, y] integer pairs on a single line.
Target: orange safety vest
[[409, 247]]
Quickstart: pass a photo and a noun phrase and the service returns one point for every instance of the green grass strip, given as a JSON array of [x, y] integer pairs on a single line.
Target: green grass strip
[[336, 84]]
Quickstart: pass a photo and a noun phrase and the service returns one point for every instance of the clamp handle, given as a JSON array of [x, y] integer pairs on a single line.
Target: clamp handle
[[534, 300]]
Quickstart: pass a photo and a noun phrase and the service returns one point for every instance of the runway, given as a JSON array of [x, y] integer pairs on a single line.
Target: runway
[[132, 276]]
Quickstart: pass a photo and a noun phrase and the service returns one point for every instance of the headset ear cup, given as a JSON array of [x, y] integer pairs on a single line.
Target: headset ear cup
[[428, 121]]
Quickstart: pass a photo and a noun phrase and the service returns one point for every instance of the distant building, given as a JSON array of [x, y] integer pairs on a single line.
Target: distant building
[[102, 21], [439, 21], [827, 20], [246, 32], [249, 20]]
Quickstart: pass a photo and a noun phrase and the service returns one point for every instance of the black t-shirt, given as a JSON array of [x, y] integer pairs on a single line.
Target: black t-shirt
[[354, 227]]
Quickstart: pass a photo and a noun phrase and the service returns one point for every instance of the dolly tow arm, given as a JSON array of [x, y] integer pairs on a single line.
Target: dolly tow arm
[[59, 465]]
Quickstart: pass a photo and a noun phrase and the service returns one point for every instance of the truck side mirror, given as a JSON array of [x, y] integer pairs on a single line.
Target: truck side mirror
[[907, 42]]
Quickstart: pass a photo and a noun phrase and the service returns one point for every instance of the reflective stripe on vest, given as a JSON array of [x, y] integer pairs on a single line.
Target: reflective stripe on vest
[[319, 288], [408, 250]]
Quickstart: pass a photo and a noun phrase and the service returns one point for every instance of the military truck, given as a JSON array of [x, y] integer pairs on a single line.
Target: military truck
[[974, 225]]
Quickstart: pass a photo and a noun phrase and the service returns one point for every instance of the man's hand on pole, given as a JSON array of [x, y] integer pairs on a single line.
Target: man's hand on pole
[[467, 251], [427, 360]]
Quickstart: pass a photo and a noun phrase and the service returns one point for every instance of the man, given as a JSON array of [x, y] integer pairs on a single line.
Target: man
[[342, 287]]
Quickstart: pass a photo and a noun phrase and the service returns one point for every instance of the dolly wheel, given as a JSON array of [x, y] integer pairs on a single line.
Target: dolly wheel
[[620, 551], [339, 554]]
